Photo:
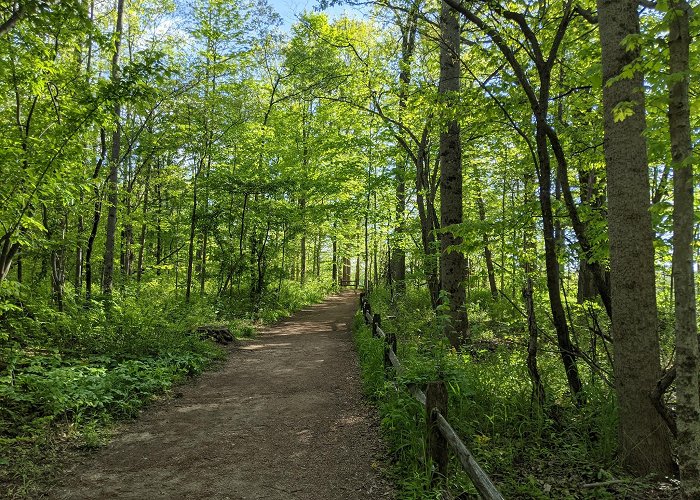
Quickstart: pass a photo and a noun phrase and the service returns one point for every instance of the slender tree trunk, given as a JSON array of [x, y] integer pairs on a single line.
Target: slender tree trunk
[[20, 271], [80, 250], [319, 244], [193, 229], [96, 214], [159, 227], [205, 232], [529, 252], [644, 438], [452, 266], [488, 256], [428, 238], [302, 271], [346, 270], [366, 252], [335, 256], [397, 265], [112, 180], [144, 228], [203, 262], [586, 285], [538, 393], [687, 363], [80, 230], [56, 261], [566, 348]]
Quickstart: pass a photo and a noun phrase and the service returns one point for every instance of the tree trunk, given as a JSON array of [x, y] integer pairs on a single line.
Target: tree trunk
[[644, 438], [538, 393], [586, 286], [193, 229], [488, 256], [159, 227], [452, 267], [144, 228], [302, 257], [566, 349], [529, 253], [687, 365], [112, 180], [335, 260], [317, 255], [397, 265], [203, 262], [96, 214], [80, 229], [346, 270]]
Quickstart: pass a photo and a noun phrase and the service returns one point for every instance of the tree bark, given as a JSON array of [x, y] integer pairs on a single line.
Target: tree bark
[[644, 438], [428, 221], [398, 254], [452, 266], [17, 14], [488, 256], [302, 257], [96, 214], [566, 348], [538, 393], [144, 227], [112, 180], [193, 229], [687, 364], [335, 258]]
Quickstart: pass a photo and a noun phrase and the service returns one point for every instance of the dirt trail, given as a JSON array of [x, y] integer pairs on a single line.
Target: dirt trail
[[284, 418]]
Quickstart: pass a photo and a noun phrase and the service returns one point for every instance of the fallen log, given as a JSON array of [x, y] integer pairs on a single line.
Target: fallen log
[[218, 333]]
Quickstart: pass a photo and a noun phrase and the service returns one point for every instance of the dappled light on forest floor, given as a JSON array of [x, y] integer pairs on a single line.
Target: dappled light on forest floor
[[274, 394]]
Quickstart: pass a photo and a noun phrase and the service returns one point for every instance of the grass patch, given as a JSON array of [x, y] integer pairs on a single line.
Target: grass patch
[[529, 453], [67, 377]]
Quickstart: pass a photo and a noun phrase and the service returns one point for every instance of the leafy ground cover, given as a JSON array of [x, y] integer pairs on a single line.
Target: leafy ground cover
[[66, 377], [558, 452]]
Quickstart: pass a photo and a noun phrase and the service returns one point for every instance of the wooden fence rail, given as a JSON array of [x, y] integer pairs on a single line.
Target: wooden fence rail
[[439, 432]]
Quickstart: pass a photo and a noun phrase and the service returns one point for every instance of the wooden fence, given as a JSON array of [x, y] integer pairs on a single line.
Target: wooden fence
[[439, 432]]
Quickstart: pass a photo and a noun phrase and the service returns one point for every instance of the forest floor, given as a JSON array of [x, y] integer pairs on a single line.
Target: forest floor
[[283, 418]]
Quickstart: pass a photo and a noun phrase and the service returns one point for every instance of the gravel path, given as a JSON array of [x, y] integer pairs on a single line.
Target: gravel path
[[284, 418]]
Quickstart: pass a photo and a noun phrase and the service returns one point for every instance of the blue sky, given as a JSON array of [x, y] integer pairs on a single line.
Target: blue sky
[[291, 9]]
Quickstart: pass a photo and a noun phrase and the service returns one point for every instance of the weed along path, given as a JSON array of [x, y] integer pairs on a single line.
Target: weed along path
[[284, 418]]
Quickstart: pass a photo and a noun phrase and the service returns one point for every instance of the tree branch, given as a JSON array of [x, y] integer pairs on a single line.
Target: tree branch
[[18, 14]]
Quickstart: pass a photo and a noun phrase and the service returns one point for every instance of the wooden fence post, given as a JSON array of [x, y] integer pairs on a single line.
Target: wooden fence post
[[362, 301], [436, 444], [376, 321], [367, 311], [389, 345]]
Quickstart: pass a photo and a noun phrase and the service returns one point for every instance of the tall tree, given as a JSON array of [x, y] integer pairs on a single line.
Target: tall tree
[[113, 178], [645, 441], [687, 362], [408, 28], [452, 262]]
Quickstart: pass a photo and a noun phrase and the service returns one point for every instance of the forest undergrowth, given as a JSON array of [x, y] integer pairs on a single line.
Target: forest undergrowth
[[67, 377], [560, 451]]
